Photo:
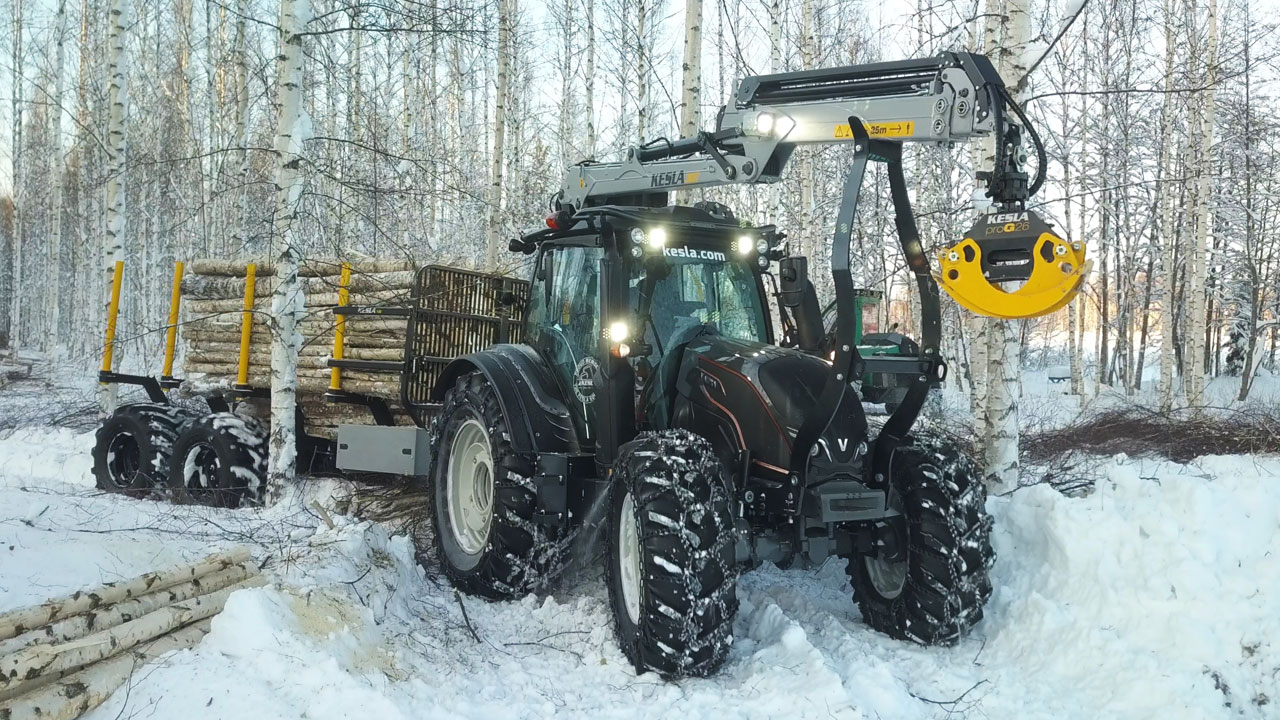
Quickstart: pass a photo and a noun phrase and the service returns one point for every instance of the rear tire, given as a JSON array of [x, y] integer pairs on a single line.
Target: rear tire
[[672, 570], [937, 592], [220, 460], [133, 447], [483, 501]]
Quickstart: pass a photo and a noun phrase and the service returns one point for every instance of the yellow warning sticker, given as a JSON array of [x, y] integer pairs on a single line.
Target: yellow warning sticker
[[901, 128], [691, 177]]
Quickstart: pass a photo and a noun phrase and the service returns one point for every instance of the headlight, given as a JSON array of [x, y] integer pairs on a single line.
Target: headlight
[[746, 244], [637, 252], [762, 246], [763, 262], [637, 236], [765, 123], [619, 331], [657, 238]]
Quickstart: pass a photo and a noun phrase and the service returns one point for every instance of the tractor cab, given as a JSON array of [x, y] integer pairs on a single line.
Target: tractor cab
[[627, 291]]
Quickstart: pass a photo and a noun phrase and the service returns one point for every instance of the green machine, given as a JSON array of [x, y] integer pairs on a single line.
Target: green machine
[[877, 387]]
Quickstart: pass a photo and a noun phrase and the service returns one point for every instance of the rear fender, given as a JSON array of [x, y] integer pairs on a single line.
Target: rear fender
[[537, 417]]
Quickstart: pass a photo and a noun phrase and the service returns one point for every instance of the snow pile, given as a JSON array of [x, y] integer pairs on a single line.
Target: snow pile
[[1154, 596], [54, 458]]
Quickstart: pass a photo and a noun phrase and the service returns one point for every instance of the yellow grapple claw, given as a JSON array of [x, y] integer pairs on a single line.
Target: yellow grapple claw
[[1014, 247]]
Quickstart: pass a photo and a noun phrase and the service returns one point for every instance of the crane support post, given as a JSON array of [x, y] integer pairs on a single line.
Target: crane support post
[[246, 326], [340, 326], [171, 337], [113, 310]]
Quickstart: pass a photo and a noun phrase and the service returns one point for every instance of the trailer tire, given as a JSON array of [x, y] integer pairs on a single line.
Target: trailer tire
[[220, 460], [483, 501], [671, 568], [935, 594], [133, 447]]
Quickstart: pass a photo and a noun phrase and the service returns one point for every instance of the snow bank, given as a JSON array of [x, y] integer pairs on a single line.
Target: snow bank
[[1153, 597], [46, 457]]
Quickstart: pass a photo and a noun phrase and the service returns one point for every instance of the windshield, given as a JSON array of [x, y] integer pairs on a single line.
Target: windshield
[[703, 288]]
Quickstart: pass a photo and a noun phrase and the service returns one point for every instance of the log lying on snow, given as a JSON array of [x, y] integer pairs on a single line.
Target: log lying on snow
[[29, 664], [78, 693], [17, 622], [108, 616]]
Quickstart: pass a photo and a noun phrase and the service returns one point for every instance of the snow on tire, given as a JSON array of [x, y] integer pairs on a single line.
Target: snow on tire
[[133, 447], [672, 570], [937, 592], [483, 501], [221, 460]]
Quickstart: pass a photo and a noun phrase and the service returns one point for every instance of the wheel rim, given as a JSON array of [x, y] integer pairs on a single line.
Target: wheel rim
[[888, 578], [629, 572], [470, 487], [123, 459], [199, 470]]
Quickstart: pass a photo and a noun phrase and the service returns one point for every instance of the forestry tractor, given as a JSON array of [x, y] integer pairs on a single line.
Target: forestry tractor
[[648, 400]]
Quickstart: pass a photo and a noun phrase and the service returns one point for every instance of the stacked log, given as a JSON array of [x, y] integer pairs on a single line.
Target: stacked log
[[60, 659], [213, 302]]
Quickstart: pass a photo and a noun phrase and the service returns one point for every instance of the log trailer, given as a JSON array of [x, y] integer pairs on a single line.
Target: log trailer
[[645, 392]]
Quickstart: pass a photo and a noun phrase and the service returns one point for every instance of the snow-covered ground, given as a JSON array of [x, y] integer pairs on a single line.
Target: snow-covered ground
[[1157, 596]]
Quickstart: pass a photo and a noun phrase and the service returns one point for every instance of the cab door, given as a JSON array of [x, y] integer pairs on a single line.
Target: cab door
[[563, 325]]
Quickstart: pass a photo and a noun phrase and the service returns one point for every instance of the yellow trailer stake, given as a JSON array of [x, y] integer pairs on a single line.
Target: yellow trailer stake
[[113, 309], [340, 326], [246, 326], [171, 340]]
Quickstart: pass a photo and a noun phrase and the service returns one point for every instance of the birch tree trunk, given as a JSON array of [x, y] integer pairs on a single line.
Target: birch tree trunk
[[1196, 291], [287, 303], [591, 80], [1004, 361], [642, 80], [17, 83], [54, 306], [240, 230], [1168, 240], [499, 133], [114, 202], [983, 156], [691, 79]]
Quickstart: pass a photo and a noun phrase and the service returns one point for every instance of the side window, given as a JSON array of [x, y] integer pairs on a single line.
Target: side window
[[564, 322]]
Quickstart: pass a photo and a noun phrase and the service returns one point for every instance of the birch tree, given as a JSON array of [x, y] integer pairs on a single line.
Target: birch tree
[[55, 234], [17, 82], [1196, 291], [1004, 361], [1168, 240], [114, 201], [287, 302], [505, 11]]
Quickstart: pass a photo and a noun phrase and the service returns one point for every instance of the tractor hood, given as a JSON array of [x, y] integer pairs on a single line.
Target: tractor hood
[[747, 395]]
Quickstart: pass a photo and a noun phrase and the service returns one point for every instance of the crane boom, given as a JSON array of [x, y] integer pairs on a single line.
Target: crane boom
[[945, 99]]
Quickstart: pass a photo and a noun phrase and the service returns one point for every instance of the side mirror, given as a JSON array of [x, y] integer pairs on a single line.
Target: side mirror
[[545, 274]]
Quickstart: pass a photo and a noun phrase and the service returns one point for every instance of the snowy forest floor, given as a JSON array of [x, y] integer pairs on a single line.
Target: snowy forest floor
[[1155, 595]]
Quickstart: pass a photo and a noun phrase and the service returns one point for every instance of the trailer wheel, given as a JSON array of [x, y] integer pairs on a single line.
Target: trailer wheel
[[926, 580], [133, 447], [220, 460], [672, 570], [483, 501]]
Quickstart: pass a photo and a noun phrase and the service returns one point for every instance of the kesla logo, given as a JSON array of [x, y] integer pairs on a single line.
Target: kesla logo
[[675, 177], [694, 254], [997, 218]]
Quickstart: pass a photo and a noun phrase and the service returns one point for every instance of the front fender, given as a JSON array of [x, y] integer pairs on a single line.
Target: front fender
[[537, 416]]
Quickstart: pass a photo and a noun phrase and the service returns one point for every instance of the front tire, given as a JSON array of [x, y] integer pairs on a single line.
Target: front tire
[[672, 569], [133, 447], [483, 501], [928, 581]]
